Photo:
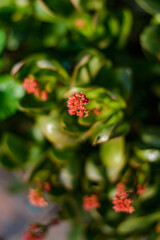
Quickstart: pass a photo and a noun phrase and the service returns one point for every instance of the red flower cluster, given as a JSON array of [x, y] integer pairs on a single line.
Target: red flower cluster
[[76, 104], [96, 111], [121, 201], [35, 232], [44, 186], [36, 198], [140, 189], [32, 87], [90, 202], [120, 187]]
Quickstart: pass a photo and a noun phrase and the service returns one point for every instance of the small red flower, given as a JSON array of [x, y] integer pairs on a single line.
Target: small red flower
[[90, 202], [140, 189], [36, 199], [120, 187], [35, 232], [37, 92], [121, 201], [47, 186], [96, 111], [44, 95], [76, 104], [30, 85]]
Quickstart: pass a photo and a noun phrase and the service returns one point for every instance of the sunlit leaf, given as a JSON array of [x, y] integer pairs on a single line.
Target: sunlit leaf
[[113, 157], [10, 94]]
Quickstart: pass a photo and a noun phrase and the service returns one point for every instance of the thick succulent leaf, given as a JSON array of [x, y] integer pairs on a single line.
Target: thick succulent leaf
[[10, 94], [16, 149], [93, 171], [43, 12], [77, 232], [123, 80], [150, 155], [7, 162], [103, 131], [138, 223], [2, 40], [150, 39], [150, 137], [36, 159], [87, 68], [53, 131], [83, 24], [113, 157], [42, 68], [92, 4], [50, 75], [87, 121], [148, 194], [150, 6], [70, 124], [125, 29], [61, 156]]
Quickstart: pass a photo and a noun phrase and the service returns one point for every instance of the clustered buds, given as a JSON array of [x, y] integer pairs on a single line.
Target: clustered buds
[[35, 232], [32, 87], [96, 111], [121, 201], [140, 189], [43, 186], [90, 202], [76, 104], [36, 198]]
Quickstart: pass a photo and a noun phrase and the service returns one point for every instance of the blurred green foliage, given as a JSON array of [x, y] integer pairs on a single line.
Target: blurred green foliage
[[109, 50]]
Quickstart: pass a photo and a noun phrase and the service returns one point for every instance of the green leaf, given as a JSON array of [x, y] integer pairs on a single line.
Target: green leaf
[[35, 160], [139, 224], [61, 156], [93, 172], [76, 232], [10, 94], [2, 40], [51, 77], [126, 26], [53, 131], [150, 6], [113, 157], [16, 149], [42, 175], [7, 162], [150, 39], [70, 124], [103, 131], [87, 68], [150, 136], [43, 13], [150, 155], [123, 81], [83, 24]]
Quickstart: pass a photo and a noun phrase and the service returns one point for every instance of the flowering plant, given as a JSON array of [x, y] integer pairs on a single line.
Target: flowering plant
[[81, 113]]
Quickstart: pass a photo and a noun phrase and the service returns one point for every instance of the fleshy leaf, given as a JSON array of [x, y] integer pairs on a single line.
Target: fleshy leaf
[[150, 6], [138, 224], [16, 149], [150, 39], [10, 94], [113, 157]]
